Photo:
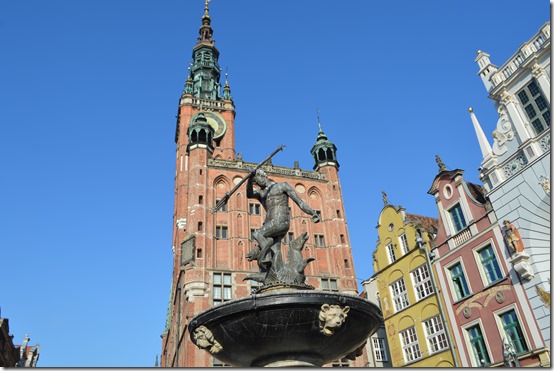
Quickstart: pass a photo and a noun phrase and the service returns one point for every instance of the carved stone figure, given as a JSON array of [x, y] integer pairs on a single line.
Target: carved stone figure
[[513, 237], [274, 197], [331, 317], [204, 339]]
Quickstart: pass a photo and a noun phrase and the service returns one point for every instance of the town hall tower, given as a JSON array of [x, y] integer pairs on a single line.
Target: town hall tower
[[209, 249]]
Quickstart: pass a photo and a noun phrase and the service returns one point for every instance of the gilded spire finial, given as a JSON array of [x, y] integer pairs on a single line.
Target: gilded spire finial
[[442, 167], [207, 8], [318, 122]]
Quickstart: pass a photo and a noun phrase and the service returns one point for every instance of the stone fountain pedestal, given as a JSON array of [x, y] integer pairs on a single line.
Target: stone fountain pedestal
[[286, 327]]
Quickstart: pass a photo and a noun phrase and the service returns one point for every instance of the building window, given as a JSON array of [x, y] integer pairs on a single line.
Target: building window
[[217, 363], [490, 264], [436, 336], [254, 285], [513, 331], [410, 345], [254, 208], [222, 287], [404, 243], [223, 207], [200, 200], [459, 281], [319, 240], [422, 282], [289, 237], [399, 295], [478, 346], [221, 232], [329, 284], [457, 218], [379, 349], [535, 106], [343, 362], [390, 252], [199, 226], [342, 239]]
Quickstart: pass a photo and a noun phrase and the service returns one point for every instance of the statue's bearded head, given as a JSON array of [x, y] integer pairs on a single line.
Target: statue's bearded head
[[261, 178]]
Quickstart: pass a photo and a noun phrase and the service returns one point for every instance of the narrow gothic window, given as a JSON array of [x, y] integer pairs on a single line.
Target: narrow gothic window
[[202, 136], [319, 240]]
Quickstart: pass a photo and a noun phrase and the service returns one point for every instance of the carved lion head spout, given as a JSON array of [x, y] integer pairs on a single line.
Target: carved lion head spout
[[204, 339], [331, 317]]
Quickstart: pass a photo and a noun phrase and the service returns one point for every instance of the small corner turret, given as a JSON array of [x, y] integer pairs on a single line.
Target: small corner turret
[[200, 133], [324, 151]]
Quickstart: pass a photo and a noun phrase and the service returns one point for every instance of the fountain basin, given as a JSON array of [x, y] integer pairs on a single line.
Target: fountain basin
[[285, 328]]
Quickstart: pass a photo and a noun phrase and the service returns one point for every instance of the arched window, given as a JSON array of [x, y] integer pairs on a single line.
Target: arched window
[[321, 154], [202, 136]]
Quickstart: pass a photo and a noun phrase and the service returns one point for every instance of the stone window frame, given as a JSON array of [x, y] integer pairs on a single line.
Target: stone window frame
[[410, 344], [435, 334], [481, 341], [222, 287], [379, 349], [399, 295], [421, 278]]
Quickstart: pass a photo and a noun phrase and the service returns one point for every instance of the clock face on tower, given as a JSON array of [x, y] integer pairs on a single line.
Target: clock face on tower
[[216, 122]]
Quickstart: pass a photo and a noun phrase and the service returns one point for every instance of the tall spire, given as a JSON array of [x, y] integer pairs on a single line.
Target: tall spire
[[206, 30], [227, 88], [205, 71], [486, 149]]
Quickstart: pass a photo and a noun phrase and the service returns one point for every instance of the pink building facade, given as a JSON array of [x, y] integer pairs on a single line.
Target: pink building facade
[[492, 320]]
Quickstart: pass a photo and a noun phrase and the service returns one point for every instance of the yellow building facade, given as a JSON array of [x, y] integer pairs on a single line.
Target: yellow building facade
[[417, 333]]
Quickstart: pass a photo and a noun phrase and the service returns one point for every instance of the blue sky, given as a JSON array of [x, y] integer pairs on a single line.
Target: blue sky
[[88, 97]]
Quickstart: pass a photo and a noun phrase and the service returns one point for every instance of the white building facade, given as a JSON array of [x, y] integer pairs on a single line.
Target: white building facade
[[515, 171], [377, 346]]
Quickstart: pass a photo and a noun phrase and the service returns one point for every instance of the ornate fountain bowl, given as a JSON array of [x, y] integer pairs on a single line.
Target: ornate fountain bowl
[[286, 328]]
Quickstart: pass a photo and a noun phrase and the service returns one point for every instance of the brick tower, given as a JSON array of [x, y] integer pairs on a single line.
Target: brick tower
[[209, 249]]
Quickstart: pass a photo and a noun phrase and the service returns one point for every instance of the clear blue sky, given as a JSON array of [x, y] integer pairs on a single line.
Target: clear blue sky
[[88, 97]]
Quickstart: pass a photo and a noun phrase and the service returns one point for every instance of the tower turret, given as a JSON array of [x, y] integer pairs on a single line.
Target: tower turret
[[486, 68], [200, 133], [324, 152]]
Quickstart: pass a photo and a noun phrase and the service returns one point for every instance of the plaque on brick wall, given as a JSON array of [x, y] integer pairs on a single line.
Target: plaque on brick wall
[[187, 250]]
